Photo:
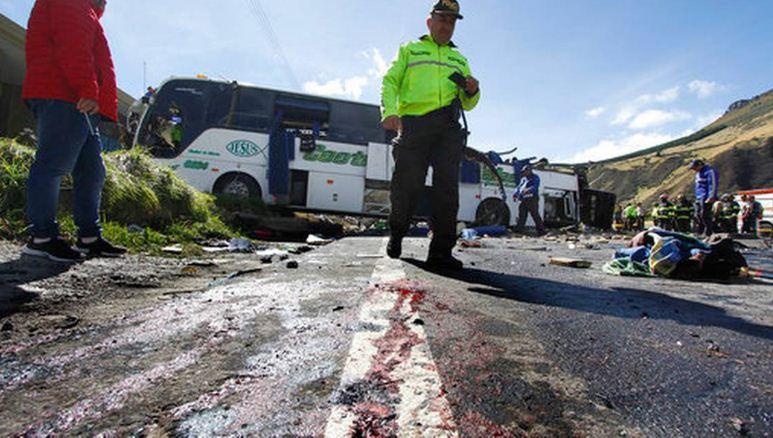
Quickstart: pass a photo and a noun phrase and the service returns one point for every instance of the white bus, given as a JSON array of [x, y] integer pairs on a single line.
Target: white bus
[[310, 153]]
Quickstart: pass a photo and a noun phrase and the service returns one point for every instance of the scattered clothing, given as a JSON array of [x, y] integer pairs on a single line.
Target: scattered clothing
[[667, 254]]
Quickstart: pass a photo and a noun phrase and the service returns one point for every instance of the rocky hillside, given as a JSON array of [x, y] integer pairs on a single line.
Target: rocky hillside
[[739, 144]]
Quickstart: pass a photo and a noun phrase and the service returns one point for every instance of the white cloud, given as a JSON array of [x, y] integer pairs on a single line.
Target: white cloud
[[609, 148], [595, 112], [664, 96], [624, 115], [703, 89], [380, 66], [352, 87], [629, 110], [653, 118], [349, 88]]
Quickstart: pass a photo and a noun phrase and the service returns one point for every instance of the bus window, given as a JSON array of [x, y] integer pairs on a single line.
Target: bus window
[[355, 123], [303, 113], [219, 105], [176, 118], [254, 110]]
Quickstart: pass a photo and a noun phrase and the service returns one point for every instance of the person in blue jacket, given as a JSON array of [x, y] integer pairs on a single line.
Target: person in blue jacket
[[706, 187], [527, 193]]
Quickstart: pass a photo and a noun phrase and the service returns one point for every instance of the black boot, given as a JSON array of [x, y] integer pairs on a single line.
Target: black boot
[[444, 263], [395, 247]]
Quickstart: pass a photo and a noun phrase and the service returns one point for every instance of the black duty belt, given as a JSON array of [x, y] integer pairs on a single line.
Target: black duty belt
[[449, 112]]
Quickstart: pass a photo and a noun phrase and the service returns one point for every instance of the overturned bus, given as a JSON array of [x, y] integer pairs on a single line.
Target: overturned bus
[[313, 153]]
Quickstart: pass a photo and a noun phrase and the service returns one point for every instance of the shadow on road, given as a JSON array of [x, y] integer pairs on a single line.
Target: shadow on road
[[22, 271], [618, 302]]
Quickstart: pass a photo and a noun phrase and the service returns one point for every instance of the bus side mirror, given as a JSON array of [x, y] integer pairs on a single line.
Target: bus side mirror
[[308, 143]]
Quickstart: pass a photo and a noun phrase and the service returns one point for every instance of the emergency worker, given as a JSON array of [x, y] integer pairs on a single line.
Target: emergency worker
[[630, 217], [683, 210], [663, 213], [422, 103], [729, 214]]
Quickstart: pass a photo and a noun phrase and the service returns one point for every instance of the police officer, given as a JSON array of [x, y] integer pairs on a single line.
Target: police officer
[[423, 105]]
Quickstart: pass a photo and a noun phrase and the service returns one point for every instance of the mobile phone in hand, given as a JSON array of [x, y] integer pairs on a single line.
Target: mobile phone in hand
[[458, 79]]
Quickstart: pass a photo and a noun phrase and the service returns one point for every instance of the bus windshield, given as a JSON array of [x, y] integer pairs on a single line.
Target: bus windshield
[[181, 111]]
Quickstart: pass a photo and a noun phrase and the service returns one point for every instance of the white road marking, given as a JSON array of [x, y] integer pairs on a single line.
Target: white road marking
[[423, 409]]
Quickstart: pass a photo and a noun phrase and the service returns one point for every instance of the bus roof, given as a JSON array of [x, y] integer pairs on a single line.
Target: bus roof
[[248, 85]]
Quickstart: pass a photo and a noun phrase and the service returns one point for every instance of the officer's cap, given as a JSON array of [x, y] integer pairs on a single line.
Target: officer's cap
[[447, 7]]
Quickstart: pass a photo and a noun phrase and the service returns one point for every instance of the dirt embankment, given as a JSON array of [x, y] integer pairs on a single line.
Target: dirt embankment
[[742, 152]]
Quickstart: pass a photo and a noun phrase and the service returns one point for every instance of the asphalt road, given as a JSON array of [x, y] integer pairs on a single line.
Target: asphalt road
[[354, 344]]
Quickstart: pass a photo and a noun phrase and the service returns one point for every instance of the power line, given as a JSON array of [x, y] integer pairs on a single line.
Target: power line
[[256, 8]]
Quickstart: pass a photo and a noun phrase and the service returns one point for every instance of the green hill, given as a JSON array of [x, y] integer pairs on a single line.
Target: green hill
[[739, 144]]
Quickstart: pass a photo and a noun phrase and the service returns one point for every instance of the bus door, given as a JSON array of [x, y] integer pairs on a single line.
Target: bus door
[[298, 124]]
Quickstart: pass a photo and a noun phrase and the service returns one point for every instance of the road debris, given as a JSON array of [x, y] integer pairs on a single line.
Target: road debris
[[570, 263], [267, 256], [173, 249], [471, 244], [61, 321], [740, 426], [190, 270], [318, 241], [292, 264], [234, 275]]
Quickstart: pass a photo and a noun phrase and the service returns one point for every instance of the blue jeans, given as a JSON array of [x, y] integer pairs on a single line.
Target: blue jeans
[[66, 145]]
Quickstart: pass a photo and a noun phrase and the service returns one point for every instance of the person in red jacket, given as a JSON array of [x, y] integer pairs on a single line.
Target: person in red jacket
[[70, 87]]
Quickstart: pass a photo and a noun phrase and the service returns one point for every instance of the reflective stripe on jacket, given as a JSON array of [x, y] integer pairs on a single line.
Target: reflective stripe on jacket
[[684, 212], [664, 211], [417, 82]]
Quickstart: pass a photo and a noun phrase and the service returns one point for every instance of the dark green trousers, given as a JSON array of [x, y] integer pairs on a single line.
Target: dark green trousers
[[436, 140]]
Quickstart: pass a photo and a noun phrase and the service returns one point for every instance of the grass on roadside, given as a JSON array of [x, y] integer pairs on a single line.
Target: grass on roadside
[[144, 206]]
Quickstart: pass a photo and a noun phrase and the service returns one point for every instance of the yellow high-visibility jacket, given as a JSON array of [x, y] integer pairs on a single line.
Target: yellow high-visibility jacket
[[417, 82]]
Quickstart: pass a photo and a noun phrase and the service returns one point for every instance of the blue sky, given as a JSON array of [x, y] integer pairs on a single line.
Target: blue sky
[[571, 80]]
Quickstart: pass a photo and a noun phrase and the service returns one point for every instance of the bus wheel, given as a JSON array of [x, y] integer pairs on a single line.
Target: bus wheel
[[491, 212], [239, 185]]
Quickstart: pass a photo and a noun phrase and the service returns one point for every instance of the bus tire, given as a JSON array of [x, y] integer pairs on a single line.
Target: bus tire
[[492, 212], [237, 184]]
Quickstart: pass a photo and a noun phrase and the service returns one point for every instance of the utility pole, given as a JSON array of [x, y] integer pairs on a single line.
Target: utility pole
[[144, 76]]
